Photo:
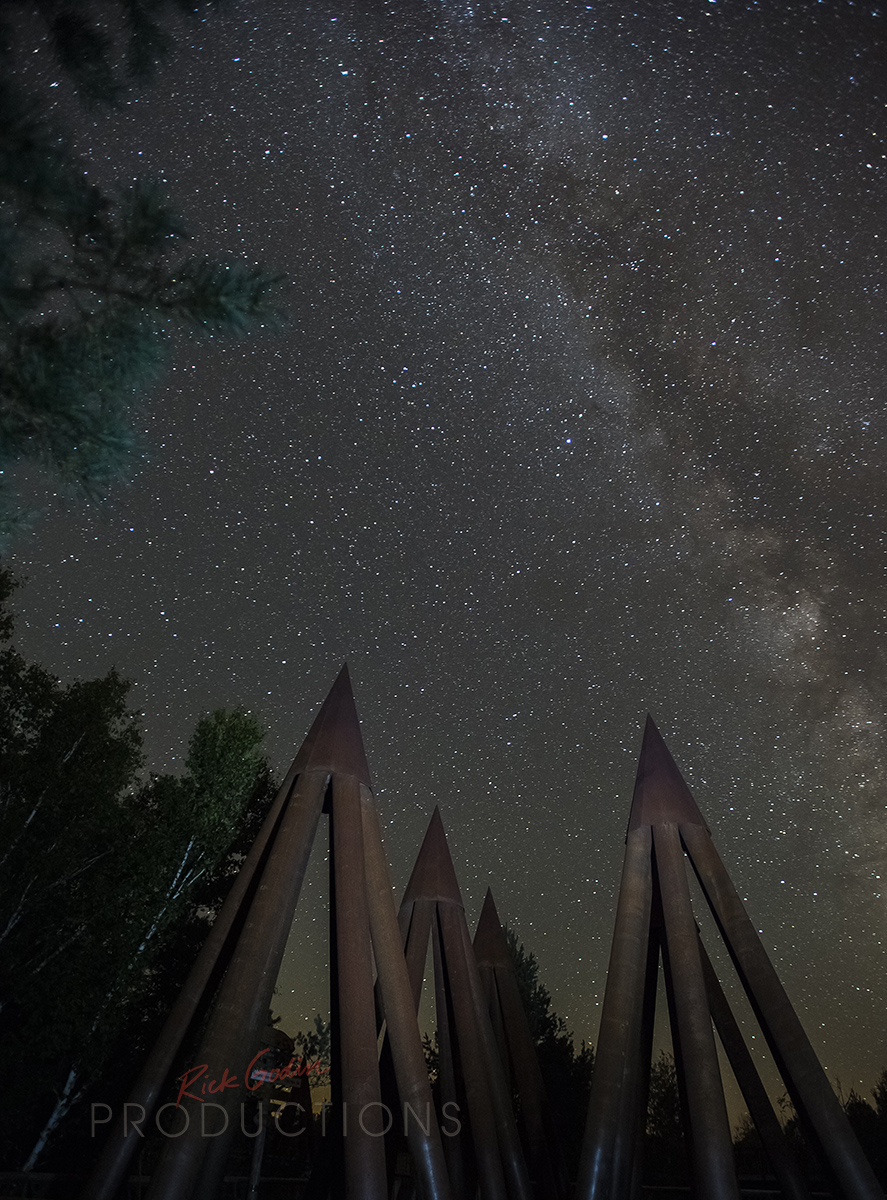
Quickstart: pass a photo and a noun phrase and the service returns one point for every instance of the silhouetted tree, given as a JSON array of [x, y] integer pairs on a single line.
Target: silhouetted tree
[[314, 1045], [92, 281], [665, 1155], [98, 867], [565, 1070], [870, 1124]]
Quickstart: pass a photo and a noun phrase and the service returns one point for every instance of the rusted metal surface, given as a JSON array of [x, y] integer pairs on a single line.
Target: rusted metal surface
[[433, 879], [807, 1082], [638, 1080], [461, 1163], [610, 1131], [334, 743], [421, 913], [396, 992], [494, 1011], [417, 920], [433, 876], [463, 1022]]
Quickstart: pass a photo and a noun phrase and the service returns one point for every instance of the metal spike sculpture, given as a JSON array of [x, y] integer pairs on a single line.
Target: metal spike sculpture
[[517, 1052], [653, 913], [239, 964], [470, 1067]]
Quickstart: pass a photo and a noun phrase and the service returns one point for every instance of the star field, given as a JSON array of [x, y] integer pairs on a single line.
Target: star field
[[578, 412]]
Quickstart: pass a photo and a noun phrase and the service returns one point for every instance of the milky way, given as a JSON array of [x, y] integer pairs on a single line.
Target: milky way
[[578, 412]]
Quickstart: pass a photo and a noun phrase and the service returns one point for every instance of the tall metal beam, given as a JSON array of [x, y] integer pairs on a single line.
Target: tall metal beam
[[453, 1099], [364, 1126], [472, 1057], [497, 1151], [778, 1149], [241, 1009], [611, 1132], [399, 1008], [332, 748], [796, 1058], [496, 967], [712, 1146], [112, 1164]]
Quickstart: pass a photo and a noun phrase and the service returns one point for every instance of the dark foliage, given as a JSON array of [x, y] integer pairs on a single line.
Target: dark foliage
[[566, 1071], [93, 283], [103, 49], [870, 1125], [108, 879], [665, 1152]]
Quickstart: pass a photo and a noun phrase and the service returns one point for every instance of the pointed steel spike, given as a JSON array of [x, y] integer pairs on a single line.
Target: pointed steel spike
[[660, 794], [490, 943], [334, 743], [433, 877]]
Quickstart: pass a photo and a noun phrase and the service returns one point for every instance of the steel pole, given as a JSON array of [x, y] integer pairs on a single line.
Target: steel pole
[[472, 1059], [795, 1056], [513, 1162], [638, 1083], [544, 1143], [619, 1037], [113, 1162], [462, 1167], [241, 1009], [712, 1146], [414, 1089], [782, 1158], [508, 1017], [364, 1119], [494, 1012], [416, 938]]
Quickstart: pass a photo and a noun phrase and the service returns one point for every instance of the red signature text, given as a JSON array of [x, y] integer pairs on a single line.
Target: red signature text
[[195, 1086]]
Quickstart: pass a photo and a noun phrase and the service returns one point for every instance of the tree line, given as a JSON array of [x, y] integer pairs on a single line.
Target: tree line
[[109, 878]]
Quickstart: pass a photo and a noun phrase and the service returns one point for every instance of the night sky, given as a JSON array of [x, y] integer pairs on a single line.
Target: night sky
[[578, 413]]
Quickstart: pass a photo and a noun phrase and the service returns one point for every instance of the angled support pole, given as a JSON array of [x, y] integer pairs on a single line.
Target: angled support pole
[[804, 1077], [123, 1142], [467, 1041], [241, 1009], [332, 749], [509, 1020], [712, 1146], [612, 1127], [399, 1009], [778, 1149], [360, 1096], [462, 1162]]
